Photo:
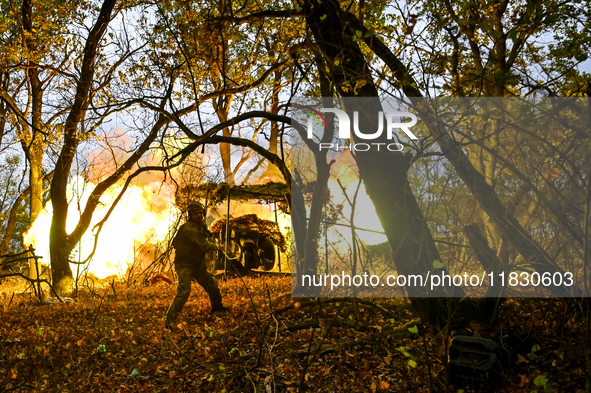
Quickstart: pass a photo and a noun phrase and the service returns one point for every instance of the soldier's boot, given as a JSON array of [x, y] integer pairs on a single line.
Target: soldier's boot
[[215, 298], [171, 315]]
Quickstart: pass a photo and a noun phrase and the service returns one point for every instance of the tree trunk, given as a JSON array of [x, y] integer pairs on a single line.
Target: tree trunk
[[404, 224], [274, 137], [222, 107], [34, 144], [61, 243], [272, 171]]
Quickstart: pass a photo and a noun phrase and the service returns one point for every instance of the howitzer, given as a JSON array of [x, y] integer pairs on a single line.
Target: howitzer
[[251, 242]]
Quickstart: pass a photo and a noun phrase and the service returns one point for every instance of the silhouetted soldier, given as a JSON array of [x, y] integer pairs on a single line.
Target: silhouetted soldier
[[191, 243]]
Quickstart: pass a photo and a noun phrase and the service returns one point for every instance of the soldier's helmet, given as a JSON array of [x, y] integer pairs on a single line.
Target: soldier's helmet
[[194, 206]]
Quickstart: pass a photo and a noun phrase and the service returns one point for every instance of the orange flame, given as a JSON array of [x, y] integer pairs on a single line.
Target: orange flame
[[143, 215]]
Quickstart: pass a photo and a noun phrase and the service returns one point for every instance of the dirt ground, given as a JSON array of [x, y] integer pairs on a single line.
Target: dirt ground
[[111, 338]]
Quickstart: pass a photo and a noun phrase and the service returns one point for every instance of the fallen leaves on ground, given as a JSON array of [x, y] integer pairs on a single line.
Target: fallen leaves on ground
[[112, 339]]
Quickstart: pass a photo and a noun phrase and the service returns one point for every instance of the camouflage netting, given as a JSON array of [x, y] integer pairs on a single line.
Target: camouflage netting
[[213, 193], [251, 222]]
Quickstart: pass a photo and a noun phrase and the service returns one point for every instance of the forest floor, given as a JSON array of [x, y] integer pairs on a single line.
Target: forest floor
[[112, 339]]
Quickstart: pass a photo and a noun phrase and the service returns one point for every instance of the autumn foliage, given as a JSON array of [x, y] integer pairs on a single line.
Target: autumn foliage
[[112, 339]]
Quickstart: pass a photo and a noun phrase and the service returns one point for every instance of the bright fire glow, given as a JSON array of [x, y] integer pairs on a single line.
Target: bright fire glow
[[345, 170], [143, 215]]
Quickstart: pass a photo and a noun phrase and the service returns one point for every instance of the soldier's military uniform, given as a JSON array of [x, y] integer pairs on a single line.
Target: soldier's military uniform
[[192, 242]]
